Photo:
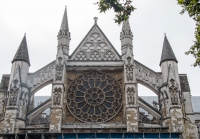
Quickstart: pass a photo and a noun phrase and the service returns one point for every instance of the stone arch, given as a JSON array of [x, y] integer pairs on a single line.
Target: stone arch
[[148, 86], [37, 88], [150, 109], [39, 109]]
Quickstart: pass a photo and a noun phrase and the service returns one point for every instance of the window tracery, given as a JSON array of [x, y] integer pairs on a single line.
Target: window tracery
[[94, 97], [102, 47], [88, 47], [95, 55], [81, 56], [109, 56], [95, 37]]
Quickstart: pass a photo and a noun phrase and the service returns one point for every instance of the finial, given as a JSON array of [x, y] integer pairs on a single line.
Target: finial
[[24, 34], [165, 34], [95, 19]]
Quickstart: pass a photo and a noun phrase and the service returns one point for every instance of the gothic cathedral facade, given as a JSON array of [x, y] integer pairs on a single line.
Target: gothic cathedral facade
[[95, 90]]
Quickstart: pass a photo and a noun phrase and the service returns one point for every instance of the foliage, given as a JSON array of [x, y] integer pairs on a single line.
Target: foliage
[[122, 9], [193, 9]]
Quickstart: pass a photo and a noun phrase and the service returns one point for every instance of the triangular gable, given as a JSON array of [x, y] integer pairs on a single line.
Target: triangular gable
[[95, 46]]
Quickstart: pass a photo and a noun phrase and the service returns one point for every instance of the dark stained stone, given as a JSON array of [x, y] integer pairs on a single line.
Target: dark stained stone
[[22, 52], [184, 83], [167, 52]]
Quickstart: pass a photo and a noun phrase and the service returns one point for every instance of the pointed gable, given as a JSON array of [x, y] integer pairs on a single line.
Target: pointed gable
[[95, 46], [22, 52]]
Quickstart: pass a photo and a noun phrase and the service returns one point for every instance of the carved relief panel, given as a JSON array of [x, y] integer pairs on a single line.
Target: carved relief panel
[[95, 46]]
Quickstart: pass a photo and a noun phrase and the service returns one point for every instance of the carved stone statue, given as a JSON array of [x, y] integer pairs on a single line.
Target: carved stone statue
[[129, 70], [57, 96], [130, 95], [59, 69], [13, 93]]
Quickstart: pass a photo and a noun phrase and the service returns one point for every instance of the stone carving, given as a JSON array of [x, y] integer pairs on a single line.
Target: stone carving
[[95, 55], [173, 90], [57, 95], [81, 56], [88, 47], [109, 56], [59, 69], [95, 38], [102, 47], [14, 90], [130, 95], [129, 70], [174, 99]]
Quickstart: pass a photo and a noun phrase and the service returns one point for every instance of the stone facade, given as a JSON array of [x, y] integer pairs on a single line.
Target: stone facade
[[96, 88]]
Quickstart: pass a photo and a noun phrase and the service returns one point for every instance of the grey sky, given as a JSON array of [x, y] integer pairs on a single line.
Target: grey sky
[[41, 20]]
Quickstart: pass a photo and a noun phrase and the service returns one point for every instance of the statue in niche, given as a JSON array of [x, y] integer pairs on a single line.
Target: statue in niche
[[57, 95], [57, 98], [129, 69], [13, 93], [59, 69], [173, 90], [130, 94]]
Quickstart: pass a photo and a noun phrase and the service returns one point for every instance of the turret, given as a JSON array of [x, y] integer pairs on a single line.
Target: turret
[[168, 63], [64, 35], [21, 59], [18, 91]]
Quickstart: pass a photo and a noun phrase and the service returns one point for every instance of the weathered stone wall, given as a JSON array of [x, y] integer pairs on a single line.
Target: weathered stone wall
[[9, 121], [132, 119], [56, 120]]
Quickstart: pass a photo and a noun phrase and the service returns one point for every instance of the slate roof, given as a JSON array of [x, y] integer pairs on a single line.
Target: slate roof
[[22, 52], [167, 52], [41, 99]]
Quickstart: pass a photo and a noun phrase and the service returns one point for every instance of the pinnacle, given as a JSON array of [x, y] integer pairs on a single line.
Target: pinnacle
[[126, 25], [22, 52], [167, 52], [64, 24]]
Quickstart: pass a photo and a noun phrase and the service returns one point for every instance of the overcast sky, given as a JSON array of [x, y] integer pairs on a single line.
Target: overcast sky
[[41, 20]]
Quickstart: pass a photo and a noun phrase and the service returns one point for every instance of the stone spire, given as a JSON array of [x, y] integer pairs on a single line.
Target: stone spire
[[126, 35], [167, 52], [126, 30], [22, 52], [126, 25], [64, 35], [64, 24]]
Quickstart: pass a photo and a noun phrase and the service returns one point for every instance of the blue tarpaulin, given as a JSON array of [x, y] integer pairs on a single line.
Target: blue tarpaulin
[[119, 136]]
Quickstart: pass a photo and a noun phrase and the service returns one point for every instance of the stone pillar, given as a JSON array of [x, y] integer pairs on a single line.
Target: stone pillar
[[58, 89], [131, 93], [17, 100]]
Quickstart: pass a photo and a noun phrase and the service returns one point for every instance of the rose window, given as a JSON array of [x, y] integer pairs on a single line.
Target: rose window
[[94, 97]]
